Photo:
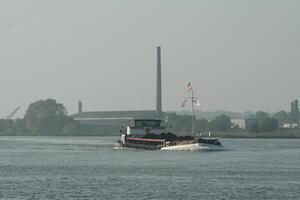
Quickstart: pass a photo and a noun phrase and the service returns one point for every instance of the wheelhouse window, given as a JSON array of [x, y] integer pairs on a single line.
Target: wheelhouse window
[[147, 123]]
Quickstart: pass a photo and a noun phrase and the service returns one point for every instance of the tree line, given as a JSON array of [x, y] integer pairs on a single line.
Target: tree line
[[291, 117], [47, 117], [258, 123], [44, 117], [262, 122], [183, 123]]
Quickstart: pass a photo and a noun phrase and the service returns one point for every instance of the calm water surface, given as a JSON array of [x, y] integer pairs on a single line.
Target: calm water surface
[[88, 168]]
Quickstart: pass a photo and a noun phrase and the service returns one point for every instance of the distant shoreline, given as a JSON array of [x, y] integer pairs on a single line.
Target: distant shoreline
[[293, 134], [279, 135]]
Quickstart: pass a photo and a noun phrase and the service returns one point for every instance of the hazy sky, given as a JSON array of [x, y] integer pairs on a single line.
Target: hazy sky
[[239, 55]]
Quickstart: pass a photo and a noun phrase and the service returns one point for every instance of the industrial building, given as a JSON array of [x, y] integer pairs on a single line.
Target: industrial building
[[113, 120], [241, 123]]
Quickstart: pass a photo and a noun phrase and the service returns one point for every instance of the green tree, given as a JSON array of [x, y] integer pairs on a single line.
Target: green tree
[[6, 127], [19, 127], [45, 117], [264, 123], [294, 112], [186, 124], [269, 125], [179, 123], [253, 128], [220, 123], [282, 117], [261, 116], [201, 125]]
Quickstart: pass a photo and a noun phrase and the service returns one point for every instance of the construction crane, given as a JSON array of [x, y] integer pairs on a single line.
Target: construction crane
[[12, 114]]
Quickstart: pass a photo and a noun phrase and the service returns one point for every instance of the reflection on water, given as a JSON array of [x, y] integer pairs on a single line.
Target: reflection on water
[[88, 168]]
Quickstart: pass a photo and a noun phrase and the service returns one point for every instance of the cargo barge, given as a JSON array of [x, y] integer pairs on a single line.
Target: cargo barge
[[148, 134]]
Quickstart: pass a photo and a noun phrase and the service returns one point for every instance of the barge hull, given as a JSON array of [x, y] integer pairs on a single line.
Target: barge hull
[[193, 147]]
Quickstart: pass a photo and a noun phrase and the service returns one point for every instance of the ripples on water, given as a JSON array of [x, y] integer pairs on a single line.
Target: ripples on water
[[88, 168]]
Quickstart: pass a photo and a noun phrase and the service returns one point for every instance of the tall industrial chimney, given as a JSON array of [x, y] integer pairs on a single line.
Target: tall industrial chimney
[[79, 106], [158, 85]]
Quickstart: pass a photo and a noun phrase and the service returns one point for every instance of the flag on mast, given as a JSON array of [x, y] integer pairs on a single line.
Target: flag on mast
[[189, 87], [184, 103]]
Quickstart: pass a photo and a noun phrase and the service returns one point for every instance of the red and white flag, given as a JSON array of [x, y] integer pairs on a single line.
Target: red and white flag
[[189, 87]]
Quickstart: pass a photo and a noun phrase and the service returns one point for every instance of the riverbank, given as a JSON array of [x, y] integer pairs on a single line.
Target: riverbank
[[280, 134]]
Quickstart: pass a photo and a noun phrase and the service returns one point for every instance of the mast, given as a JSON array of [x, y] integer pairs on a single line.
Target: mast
[[193, 128], [194, 100]]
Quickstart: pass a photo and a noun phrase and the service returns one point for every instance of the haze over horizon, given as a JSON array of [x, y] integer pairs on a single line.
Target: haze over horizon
[[239, 55]]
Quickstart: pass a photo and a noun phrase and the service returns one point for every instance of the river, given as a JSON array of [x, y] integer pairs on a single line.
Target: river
[[88, 168]]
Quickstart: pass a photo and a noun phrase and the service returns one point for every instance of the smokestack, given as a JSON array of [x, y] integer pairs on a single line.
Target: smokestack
[[158, 85], [79, 106]]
